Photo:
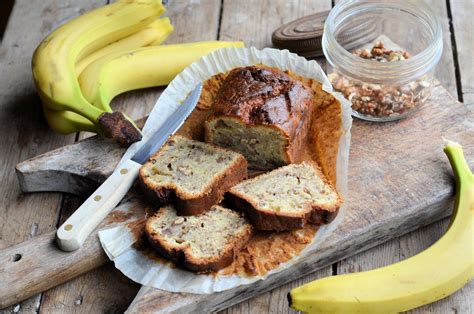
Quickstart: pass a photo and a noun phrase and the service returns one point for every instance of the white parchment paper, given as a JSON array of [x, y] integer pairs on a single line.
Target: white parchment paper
[[117, 242]]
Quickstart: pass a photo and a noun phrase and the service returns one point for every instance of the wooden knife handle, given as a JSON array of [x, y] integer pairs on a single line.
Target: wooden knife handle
[[75, 230]]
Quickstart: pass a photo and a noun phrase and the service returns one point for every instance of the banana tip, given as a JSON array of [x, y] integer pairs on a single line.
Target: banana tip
[[448, 142]]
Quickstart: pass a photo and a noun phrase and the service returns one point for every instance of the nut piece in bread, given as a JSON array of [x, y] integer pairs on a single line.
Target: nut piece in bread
[[287, 198], [262, 113], [201, 243], [191, 174]]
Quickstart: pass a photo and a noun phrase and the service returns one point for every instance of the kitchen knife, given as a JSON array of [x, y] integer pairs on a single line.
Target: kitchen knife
[[74, 231]]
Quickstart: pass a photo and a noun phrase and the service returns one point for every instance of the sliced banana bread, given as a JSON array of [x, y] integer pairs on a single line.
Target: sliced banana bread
[[191, 174], [262, 113], [287, 198], [201, 243]]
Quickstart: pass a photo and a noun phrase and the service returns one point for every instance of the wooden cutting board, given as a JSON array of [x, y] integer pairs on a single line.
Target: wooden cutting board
[[399, 180]]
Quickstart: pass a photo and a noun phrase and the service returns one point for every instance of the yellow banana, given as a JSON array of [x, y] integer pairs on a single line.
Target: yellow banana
[[55, 58], [139, 68], [153, 34], [65, 121], [429, 276]]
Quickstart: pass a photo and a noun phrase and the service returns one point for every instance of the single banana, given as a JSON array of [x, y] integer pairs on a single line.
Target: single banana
[[114, 74], [153, 34], [424, 278], [55, 58]]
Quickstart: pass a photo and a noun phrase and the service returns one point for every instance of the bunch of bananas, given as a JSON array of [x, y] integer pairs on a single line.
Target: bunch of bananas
[[424, 278], [83, 64]]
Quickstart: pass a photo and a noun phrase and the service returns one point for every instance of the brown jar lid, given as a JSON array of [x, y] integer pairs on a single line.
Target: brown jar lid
[[304, 35]]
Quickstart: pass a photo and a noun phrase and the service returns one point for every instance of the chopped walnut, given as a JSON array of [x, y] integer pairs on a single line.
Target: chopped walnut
[[178, 221], [186, 170], [381, 100]]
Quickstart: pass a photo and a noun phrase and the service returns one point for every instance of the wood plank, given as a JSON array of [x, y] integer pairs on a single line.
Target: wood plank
[[193, 21], [380, 208], [445, 69], [254, 22], [38, 264], [276, 301], [463, 25], [419, 240], [24, 129]]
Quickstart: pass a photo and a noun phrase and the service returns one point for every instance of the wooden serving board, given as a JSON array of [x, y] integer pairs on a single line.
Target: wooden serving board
[[399, 180]]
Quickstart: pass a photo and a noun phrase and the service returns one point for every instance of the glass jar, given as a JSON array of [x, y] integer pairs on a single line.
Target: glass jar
[[386, 67]]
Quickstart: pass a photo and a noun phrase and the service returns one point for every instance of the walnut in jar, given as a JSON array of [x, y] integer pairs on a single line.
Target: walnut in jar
[[379, 100]]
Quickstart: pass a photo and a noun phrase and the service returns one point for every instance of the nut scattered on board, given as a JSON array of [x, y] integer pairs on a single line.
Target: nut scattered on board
[[381, 100]]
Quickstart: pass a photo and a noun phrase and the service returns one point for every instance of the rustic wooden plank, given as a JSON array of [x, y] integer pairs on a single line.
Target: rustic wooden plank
[[25, 132], [380, 209], [254, 22], [445, 70], [419, 240], [276, 300], [193, 21], [463, 25], [91, 293], [37, 265], [387, 160]]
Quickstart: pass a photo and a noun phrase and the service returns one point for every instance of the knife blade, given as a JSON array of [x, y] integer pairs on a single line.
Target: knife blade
[[74, 231]]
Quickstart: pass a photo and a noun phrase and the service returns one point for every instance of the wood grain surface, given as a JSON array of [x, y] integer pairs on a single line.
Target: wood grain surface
[[24, 216], [193, 21], [462, 41], [397, 183], [415, 242], [38, 264], [22, 125]]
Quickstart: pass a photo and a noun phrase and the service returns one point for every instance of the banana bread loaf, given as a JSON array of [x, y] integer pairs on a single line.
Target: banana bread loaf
[[202, 243], [191, 174], [262, 113], [287, 198]]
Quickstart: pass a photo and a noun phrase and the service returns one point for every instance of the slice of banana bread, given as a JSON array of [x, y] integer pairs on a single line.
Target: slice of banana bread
[[287, 198], [201, 243], [191, 174], [262, 113]]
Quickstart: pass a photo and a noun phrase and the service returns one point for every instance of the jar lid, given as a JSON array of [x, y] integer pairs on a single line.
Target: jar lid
[[304, 35]]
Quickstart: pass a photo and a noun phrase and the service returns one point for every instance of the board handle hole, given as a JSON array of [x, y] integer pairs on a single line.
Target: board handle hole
[[16, 257]]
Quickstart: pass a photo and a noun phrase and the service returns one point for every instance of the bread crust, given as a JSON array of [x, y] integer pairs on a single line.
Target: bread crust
[[187, 204], [262, 219], [182, 256], [265, 96]]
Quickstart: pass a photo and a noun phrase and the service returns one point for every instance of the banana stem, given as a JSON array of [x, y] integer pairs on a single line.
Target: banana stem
[[462, 175], [459, 164]]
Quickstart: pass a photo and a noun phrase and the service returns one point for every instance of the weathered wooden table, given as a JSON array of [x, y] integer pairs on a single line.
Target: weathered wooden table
[[25, 134]]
